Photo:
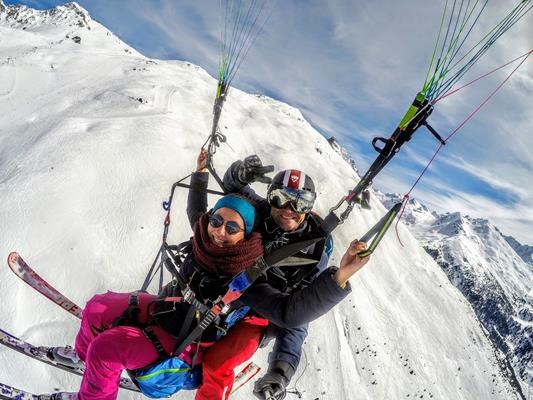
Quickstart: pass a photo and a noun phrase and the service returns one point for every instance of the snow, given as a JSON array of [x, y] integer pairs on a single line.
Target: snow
[[486, 266], [92, 137]]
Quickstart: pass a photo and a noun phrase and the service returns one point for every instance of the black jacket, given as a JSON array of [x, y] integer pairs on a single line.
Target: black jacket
[[282, 308]]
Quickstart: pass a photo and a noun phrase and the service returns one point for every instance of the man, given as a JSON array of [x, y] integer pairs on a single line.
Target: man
[[288, 302], [284, 216]]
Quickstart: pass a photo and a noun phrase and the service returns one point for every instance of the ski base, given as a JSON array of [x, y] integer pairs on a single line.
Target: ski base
[[27, 274], [10, 392], [246, 374], [40, 353]]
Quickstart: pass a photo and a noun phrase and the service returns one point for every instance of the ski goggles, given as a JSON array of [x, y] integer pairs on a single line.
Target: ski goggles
[[301, 201], [232, 227]]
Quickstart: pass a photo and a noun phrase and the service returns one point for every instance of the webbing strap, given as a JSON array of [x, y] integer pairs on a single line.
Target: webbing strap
[[152, 337], [237, 286]]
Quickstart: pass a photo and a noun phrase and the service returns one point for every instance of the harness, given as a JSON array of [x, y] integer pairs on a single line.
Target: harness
[[197, 310]]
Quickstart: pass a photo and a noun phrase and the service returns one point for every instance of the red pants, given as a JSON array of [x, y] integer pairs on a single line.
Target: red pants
[[219, 361]]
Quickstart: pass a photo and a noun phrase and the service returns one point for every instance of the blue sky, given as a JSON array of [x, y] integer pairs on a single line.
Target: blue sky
[[352, 67]]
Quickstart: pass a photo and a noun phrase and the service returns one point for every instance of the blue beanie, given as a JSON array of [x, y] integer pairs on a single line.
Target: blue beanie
[[242, 207]]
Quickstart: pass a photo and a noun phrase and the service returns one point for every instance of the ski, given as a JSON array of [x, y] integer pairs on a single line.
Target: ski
[[9, 392], [246, 374], [27, 274], [40, 353]]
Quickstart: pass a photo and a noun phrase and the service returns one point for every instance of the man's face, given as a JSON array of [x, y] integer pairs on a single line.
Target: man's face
[[287, 219]]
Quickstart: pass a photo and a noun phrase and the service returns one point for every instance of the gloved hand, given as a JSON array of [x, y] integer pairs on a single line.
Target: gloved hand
[[271, 386], [251, 169]]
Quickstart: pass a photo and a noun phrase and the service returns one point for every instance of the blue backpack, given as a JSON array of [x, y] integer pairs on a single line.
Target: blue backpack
[[164, 378]]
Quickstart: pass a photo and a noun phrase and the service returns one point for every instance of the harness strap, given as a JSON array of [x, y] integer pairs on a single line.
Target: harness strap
[[152, 337], [237, 286], [130, 316], [187, 322]]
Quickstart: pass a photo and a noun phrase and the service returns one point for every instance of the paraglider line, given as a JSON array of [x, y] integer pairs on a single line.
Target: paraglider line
[[482, 76], [406, 197]]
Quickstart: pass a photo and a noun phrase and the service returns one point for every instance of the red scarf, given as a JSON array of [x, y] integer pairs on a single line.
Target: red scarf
[[224, 260]]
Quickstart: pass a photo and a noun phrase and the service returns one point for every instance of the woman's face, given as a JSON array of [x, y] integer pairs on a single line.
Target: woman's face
[[219, 236]]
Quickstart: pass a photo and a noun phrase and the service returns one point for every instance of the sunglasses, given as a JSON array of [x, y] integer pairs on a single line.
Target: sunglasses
[[301, 201], [232, 227]]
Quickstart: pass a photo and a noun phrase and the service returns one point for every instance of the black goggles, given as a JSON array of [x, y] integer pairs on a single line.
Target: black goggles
[[301, 201], [232, 227]]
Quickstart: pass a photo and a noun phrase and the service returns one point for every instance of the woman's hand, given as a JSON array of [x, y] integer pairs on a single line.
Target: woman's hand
[[201, 161], [351, 262]]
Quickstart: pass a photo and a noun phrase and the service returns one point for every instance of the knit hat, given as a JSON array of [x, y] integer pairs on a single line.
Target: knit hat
[[240, 206]]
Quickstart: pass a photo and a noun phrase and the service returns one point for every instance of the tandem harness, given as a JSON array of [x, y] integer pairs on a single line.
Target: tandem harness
[[187, 376]]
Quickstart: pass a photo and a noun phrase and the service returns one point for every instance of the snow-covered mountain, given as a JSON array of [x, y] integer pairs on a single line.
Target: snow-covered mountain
[[523, 250], [485, 266], [343, 152], [92, 136]]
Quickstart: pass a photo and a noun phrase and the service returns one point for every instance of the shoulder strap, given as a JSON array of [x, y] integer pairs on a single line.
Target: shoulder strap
[[237, 286]]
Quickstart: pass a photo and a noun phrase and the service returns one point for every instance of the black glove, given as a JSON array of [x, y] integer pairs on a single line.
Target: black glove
[[272, 386], [251, 170]]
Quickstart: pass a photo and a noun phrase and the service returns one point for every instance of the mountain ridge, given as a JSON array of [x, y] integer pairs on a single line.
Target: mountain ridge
[[479, 260]]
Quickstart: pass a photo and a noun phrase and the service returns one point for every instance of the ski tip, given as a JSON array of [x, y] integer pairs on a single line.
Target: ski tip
[[13, 257]]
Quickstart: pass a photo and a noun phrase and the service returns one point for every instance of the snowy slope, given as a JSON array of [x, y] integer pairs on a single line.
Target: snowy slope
[[92, 136], [485, 267], [523, 250]]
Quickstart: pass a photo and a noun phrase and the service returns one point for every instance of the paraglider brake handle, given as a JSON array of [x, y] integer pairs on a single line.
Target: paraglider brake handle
[[434, 132]]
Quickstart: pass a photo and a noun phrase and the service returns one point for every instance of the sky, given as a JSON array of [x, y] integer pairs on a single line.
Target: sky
[[352, 68]]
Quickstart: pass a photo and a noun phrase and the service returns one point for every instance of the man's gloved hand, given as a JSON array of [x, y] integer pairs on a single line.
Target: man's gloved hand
[[274, 382], [251, 169], [271, 386]]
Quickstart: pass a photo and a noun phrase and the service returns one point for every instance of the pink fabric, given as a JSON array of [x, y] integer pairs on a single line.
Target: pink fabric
[[224, 356], [108, 350]]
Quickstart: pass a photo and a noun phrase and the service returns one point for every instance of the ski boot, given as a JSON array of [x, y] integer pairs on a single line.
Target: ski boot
[[64, 396], [65, 355], [272, 386]]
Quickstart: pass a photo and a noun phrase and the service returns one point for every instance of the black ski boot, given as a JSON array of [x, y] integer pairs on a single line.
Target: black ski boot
[[273, 385], [64, 396]]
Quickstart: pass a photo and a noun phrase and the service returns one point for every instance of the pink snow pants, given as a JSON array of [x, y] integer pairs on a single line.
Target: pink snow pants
[[108, 350]]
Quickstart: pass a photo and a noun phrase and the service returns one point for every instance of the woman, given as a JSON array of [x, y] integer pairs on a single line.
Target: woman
[[223, 245]]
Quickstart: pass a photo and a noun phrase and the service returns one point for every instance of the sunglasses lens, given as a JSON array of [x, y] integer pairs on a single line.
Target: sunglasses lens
[[301, 201], [232, 227], [277, 202], [216, 221]]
